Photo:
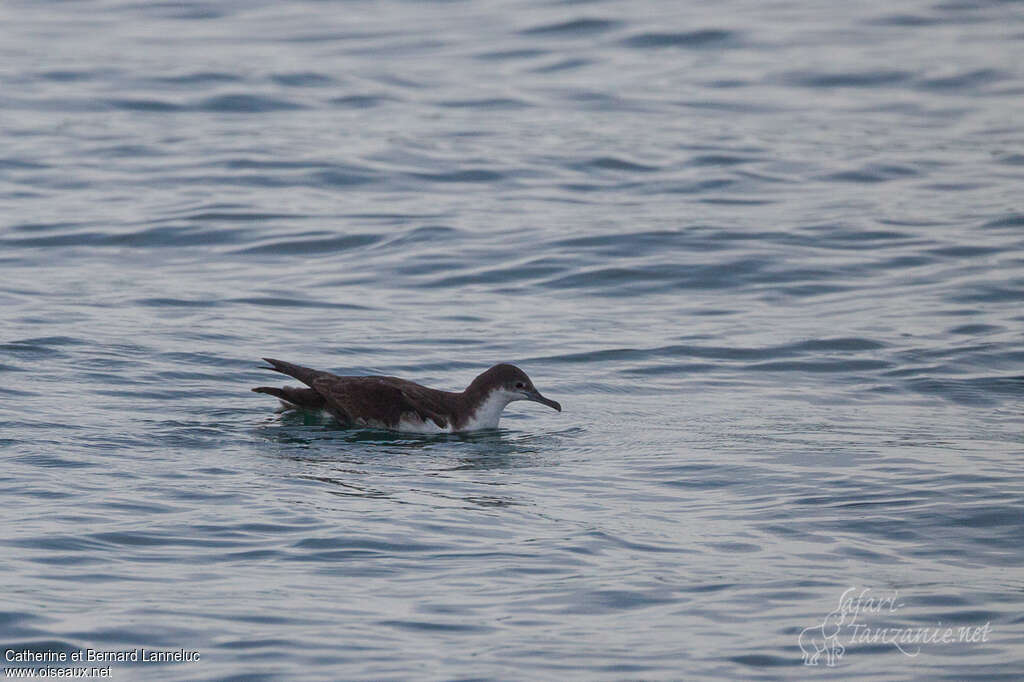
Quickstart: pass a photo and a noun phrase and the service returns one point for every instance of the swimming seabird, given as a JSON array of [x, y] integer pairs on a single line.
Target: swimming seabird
[[401, 405]]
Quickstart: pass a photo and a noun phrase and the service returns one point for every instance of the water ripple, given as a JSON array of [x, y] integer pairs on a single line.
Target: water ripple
[[689, 39], [574, 27]]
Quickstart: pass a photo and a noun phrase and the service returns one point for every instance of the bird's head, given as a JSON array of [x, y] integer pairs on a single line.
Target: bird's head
[[513, 383]]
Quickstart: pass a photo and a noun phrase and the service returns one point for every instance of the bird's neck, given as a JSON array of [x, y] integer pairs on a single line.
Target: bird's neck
[[483, 408]]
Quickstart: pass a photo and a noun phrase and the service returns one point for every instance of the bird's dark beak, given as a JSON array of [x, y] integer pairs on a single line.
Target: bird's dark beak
[[536, 397]]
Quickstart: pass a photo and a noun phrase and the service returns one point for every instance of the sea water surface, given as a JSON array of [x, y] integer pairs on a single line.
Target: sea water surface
[[769, 256]]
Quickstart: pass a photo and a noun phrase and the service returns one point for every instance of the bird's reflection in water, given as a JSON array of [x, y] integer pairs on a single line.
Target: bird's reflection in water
[[492, 448], [362, 462]]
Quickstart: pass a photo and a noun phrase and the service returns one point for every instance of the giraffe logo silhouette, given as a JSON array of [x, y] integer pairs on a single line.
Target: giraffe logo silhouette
[[823, 638]]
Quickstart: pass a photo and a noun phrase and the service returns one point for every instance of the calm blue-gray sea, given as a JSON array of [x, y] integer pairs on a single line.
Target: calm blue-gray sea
[[769, 256]]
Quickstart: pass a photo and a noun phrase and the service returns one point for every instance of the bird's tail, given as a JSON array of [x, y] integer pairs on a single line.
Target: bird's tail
[[303, 374], [299, 397]]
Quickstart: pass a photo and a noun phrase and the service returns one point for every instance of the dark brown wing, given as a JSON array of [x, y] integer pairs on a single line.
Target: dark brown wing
[[427, 401], [378, 399]]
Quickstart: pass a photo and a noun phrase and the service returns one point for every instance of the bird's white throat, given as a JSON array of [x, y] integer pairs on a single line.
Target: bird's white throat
[[488, 413]]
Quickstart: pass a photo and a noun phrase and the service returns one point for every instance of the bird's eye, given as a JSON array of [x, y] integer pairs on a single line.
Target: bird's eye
[[520, 385]]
